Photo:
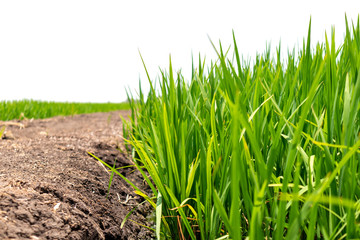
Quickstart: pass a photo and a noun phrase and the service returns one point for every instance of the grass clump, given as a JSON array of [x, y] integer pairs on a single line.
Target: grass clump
[[269, 151], [42, 109]]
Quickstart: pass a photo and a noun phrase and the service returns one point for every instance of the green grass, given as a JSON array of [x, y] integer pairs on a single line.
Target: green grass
[[10, 110], [269, 151]]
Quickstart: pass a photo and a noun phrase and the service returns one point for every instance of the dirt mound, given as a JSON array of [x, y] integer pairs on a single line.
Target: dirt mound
[[51, 189]]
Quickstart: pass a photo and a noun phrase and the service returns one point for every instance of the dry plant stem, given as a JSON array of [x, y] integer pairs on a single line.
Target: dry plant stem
[[20, 125]]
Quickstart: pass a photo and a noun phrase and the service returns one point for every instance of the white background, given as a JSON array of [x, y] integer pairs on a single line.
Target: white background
[[87, 51]]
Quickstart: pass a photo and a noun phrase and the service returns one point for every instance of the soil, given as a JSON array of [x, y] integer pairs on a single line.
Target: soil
[[50, 188]]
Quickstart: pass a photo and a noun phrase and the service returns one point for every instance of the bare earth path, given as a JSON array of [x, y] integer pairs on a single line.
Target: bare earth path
[[51, 189]]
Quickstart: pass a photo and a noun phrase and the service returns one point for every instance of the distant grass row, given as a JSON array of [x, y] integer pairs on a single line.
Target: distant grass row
[[269, 151], [10, 110]]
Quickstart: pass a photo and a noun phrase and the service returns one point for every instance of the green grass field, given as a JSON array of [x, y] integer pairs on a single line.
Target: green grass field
[[269, 151], [10, 110], [263, 151]]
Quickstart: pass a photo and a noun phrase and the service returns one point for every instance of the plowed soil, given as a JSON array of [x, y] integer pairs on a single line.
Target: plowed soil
[[50, 188]]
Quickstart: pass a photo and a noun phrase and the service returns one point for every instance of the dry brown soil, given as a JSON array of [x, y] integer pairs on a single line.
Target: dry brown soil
[[50, 188]]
